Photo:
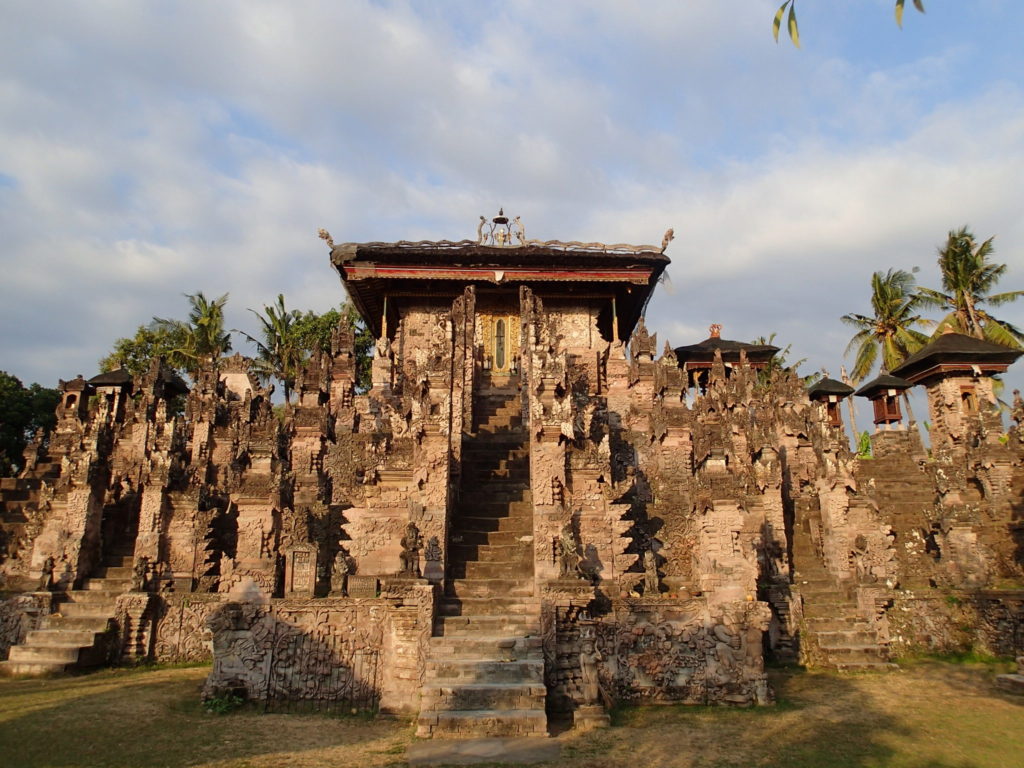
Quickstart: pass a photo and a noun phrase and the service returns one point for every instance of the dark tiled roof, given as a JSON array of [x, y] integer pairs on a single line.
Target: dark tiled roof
[[118, 378], [705, 351], [884, 381], [826, 387], [956, 348]]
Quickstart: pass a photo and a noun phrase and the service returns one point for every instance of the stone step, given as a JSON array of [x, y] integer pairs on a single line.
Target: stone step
[[491, 647], [86, 610], [520, 525], [98, 595], [476, 696], [107, 584], [62, 636], [90, 623], [462, 670], [854, 654], [520, 625], [494, 508], [837, 623], [33, 668], [490, 538], [114, 572], [488, 553], [865, 666], [846, 638], [63, 652], [519, 569], [486, 606], [485, 587], [484, 722]]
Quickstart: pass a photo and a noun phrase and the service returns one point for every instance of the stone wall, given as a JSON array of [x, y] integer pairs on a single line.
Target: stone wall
[[19, 615], [368, 651], [987, 621]]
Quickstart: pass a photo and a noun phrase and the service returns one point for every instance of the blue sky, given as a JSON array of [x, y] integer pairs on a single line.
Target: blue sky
[[149, 149]]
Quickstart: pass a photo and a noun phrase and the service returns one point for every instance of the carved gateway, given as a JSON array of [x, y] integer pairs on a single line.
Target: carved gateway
[[530, 510]]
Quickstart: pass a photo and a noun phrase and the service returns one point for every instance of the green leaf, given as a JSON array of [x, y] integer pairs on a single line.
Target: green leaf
[[919, 4], [778, 20], [794, 33], [899, 13]]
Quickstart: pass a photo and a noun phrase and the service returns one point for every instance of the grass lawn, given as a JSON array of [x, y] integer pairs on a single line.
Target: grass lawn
[[928, 715]]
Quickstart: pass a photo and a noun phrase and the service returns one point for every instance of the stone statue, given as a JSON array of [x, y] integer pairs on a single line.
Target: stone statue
[[568, 554], [324, 235], [519, 230], [1017, 410], [412, 543], [651, 582], [670, 235], [46, 576], [339, 574], [480, 236], [140, 575], [590, 684]]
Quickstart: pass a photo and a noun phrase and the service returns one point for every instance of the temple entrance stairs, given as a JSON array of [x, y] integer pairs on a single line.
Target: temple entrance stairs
[[833, 632], [78, 634], [485, 665]]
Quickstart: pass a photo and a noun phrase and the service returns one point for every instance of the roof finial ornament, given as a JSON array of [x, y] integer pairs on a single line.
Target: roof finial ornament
[[501, 231], [670, 235], [715, 330], [326, 237]]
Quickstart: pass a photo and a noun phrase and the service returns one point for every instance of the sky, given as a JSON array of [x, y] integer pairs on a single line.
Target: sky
[[150, 149]]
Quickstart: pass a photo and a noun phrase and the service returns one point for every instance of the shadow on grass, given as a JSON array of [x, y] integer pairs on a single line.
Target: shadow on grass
[[820, 719], [140, 718]]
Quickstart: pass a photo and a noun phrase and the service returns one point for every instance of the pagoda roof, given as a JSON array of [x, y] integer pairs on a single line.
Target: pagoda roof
[[956, 352], [883, 382], [703, 352], [373, 271], [827, 387], [116, 378]]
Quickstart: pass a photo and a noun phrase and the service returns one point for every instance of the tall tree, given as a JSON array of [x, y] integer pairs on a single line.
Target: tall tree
[[890, 331], [280, 353], [968, 277], [134, 353], [202, 337], [23, 410]]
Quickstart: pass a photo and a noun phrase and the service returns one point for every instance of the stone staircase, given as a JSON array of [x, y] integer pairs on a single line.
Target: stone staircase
[[833, 632], [485, 665], [77, 635]]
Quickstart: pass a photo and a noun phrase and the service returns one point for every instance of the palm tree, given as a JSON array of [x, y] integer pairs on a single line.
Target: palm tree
[[890, 330], [202, 338], [281, 352], [968, 278]]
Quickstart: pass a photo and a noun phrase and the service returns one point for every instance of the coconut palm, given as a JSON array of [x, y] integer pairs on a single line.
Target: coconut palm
[[890, 330], [968, 278], [200, 339], [281, 352]]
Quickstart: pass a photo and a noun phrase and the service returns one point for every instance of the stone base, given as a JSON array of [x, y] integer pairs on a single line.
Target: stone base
[[589, 717], [1010, 683]]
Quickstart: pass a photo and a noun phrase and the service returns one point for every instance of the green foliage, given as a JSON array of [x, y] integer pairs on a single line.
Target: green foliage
[[968, 277], [136, 353], [864, 445], [223, 705], [202, 337], [23, 411], [794, 32], [890, 329]]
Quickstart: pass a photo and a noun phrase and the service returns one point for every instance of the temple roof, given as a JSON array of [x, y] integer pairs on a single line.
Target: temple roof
[[117, 378], [443, 268], [956, 352], [883, 382], [703, 352], [827, 387]]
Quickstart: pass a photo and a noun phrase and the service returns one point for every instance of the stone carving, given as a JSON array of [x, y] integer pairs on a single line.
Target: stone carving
[[339, 574], [411, 546]]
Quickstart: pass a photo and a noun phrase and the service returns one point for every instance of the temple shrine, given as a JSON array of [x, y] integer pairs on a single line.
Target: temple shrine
[[531, 515]]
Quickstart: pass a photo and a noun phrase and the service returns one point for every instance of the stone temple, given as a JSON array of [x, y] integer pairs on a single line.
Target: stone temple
[[533, 513]]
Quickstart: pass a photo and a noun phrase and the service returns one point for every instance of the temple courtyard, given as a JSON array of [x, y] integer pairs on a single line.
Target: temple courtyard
[[939, 714]]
